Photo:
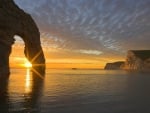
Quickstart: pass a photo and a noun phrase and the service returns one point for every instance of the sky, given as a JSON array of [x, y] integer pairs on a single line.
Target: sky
[[88, 33]]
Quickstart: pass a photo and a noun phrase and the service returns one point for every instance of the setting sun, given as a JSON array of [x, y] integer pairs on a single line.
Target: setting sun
[[27, 64]]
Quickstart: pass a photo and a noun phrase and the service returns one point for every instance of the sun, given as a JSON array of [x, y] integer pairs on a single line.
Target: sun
[[27, 64]]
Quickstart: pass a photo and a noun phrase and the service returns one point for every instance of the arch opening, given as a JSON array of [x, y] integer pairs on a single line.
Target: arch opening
[[17, 57]]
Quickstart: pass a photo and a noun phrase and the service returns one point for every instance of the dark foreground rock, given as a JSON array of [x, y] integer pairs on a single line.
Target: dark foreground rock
[[14, 21]]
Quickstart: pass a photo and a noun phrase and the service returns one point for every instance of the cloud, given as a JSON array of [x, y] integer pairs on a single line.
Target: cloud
[[90, 52], [92, 25]]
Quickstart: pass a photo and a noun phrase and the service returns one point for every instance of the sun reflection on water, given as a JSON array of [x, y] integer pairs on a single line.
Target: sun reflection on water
[[28, 81]]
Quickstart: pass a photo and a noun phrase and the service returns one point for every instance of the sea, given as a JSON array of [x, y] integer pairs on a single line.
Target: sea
[[75, 91]]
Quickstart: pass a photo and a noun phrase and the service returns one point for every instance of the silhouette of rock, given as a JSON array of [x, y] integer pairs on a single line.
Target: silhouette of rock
[[14, 21], [114, 66], [138, 60]]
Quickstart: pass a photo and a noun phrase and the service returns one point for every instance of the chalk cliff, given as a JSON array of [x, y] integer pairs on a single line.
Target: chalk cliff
[[138, 60], [114, 66]]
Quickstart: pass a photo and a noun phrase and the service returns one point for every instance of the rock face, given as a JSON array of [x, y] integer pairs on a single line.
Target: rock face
[[114, 66], [14, 21], [138, 60]]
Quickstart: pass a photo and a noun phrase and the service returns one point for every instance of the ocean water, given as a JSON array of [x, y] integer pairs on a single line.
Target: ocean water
[[75, 91]]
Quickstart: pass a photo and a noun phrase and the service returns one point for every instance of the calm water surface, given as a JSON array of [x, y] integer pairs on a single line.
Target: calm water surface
[[75, 91]]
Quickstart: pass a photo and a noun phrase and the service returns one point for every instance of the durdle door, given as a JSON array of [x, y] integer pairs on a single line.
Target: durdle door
[[14, 21]]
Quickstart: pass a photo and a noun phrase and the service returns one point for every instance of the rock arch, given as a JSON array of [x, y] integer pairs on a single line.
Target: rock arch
[[14, 21]]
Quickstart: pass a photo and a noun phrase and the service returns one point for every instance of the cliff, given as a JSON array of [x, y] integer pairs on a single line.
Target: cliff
[[138, 60], [114, 66]]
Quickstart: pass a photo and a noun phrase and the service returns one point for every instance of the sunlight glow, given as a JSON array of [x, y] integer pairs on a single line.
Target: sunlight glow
[[27, 64]]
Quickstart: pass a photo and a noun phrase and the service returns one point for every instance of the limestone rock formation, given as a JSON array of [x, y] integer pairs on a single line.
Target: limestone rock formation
[[138, 60], [114, 66], [14, 21]]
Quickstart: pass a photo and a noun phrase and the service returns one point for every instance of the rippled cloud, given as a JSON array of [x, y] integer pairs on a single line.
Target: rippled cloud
[[101, 26]]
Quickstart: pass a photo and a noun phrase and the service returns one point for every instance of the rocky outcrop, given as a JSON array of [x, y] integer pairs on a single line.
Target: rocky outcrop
[[14, 21], [138, 60], [114, 65]]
